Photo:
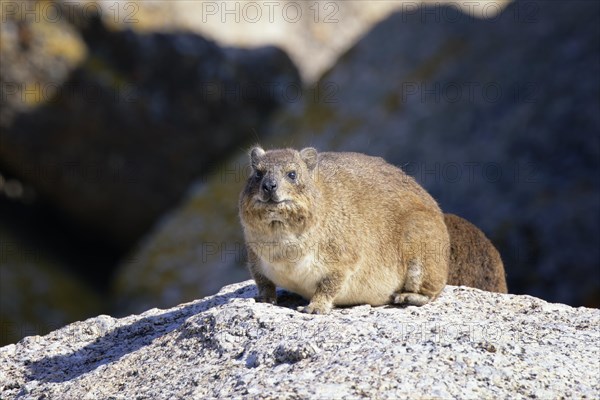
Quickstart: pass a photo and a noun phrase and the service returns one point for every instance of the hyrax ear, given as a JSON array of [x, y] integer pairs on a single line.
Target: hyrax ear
[[256, 154], [309, 156]]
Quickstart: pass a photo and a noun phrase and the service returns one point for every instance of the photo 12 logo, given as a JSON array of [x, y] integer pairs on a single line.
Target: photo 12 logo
[[53, 12], [36, 93], [269, 11]]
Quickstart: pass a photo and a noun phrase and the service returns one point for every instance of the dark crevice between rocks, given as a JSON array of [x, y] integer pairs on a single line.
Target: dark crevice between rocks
[[83, 253]]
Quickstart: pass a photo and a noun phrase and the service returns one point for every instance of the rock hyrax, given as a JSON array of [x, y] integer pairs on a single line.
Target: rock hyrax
[[341, 229], [474, 261]]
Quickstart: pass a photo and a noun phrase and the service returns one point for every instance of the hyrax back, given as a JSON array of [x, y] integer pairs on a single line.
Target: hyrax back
[[474, 261], [341, 229]]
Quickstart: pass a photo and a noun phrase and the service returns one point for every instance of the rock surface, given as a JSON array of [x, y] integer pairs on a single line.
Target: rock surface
[[466, 344], [523, 166]]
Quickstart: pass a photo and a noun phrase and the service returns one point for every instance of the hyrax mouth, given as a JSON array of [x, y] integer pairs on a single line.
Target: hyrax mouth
[[272, 200]]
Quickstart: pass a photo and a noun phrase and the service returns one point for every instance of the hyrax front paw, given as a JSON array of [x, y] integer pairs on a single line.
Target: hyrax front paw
[[315, 309]]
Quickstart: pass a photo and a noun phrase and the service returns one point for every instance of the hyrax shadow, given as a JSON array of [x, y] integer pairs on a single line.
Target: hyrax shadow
[[341, 229]]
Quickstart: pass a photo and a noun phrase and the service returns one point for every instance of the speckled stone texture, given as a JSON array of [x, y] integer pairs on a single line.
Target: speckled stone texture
[[466, 344]]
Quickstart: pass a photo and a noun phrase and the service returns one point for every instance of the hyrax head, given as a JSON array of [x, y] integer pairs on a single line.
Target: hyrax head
[[280, 175], [280, 186]]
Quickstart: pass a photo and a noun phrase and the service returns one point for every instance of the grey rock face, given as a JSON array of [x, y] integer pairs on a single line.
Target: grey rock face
[[467, 344]]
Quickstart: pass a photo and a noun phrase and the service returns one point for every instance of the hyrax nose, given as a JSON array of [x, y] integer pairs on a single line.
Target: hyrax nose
[[269, 185]]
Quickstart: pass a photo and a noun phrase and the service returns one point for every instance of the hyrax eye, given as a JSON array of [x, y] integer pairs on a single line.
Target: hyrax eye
[[258, 175], [292, 175]]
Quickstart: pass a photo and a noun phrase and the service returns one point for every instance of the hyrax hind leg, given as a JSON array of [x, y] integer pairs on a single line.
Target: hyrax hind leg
[[424, 249], [410, 292]]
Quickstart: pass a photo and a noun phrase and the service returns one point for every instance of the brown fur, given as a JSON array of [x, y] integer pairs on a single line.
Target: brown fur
[[474, 261], [349, 229]]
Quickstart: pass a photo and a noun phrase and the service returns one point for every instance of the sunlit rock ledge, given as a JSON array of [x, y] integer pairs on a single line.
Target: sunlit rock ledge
[[466, 344]]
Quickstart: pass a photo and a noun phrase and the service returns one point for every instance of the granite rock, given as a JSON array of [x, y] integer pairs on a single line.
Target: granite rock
[[468, 344]]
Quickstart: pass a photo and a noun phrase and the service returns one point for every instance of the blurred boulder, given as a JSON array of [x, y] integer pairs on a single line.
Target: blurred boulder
[[314, 34], [194, 250], [497, 118], [37, 292], [115, 140], [37, 55]]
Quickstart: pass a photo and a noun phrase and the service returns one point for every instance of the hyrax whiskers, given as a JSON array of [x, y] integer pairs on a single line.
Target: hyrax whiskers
[[341, 229]]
